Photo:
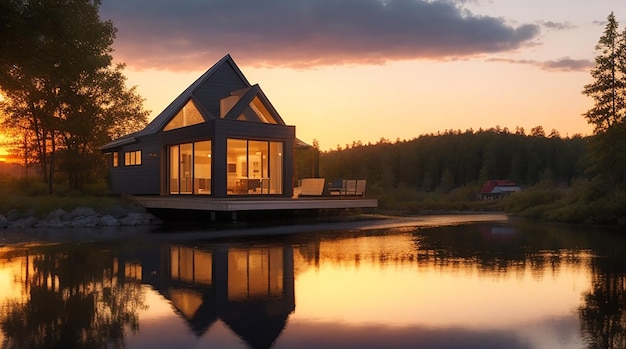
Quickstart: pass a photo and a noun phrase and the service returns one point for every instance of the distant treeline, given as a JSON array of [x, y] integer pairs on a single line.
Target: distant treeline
[[454, 159]]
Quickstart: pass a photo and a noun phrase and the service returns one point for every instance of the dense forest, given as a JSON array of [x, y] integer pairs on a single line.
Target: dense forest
[[455, 159], [446, 171]]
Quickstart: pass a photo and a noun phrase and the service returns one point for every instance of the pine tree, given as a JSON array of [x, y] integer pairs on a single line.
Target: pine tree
[[608, 146], [610, 82]]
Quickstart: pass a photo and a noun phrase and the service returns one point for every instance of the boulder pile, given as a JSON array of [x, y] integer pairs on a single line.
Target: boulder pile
[[80, 217]]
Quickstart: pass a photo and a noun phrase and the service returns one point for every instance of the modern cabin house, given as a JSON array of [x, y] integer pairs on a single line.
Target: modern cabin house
[[221, 137]]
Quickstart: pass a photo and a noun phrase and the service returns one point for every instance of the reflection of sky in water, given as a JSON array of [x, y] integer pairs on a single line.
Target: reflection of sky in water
[[450, 307], [351, 291], [401, 291]]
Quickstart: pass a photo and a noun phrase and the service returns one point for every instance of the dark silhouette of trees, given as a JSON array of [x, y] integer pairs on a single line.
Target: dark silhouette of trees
[[456, 159], [608, 91], [62, 95]]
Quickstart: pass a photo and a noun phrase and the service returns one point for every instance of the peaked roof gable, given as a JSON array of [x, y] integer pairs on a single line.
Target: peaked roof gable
[[217, 82]]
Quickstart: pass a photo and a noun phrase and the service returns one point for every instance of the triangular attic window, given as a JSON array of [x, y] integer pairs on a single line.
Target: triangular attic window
[[261, 111], [187, 116], [255, 111]]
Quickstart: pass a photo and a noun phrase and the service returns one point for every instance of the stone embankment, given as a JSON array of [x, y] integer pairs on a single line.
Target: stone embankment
[[80, 217]]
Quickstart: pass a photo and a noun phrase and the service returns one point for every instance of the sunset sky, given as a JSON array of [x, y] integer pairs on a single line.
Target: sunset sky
[[360, 70]]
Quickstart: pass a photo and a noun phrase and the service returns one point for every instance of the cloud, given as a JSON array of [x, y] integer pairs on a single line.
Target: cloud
[[564, 64], [175, 35], [557, 25], [567, 64]]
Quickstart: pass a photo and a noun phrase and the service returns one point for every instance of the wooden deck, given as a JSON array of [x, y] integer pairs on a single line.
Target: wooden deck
[[251, 204]]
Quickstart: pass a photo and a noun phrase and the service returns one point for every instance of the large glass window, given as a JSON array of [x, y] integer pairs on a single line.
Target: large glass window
[[254, 167], [190, 168], [187, 116]]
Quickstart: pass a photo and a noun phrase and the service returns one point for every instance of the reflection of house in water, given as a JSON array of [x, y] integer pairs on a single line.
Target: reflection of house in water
[[250, 289]]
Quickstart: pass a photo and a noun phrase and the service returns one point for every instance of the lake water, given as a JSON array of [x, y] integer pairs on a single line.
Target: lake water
[[488, 284]]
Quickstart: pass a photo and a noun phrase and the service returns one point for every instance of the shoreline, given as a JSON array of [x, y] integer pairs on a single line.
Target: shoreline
[[80, 217], [361, 223]]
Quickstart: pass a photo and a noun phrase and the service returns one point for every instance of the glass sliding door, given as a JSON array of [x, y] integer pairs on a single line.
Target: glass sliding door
[[254, 167], [190, 166]]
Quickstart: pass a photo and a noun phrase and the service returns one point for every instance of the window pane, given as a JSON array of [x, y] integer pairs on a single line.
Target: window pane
[[257, 165], [202, 167], [174, 183], [138, 157], [276, 168], [187, 116], [186, 169], [262, 112], [237, 166]]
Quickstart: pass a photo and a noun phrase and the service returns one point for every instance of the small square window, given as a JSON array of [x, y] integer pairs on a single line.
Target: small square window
[[132, 158]]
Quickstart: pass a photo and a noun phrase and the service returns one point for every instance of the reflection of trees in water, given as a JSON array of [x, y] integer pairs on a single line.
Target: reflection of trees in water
[[72, 299], [494, 248], [603, 312]]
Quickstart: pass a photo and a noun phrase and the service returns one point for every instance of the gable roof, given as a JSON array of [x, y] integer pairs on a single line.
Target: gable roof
[[206, 92], [225, 69], [499, 185]]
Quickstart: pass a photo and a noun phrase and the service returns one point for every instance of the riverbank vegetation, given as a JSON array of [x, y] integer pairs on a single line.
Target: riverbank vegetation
[[29, 197]]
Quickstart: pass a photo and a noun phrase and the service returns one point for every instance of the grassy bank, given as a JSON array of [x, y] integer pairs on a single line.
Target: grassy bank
[[585, 202], [30, 196], [411, 201]]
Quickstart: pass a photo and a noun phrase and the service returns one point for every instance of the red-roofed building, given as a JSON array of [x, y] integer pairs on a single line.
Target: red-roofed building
[[498, 188]]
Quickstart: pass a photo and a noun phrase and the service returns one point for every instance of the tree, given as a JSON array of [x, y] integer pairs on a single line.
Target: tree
[[537, 131], [607, 115], [609, 86], [60, 87]]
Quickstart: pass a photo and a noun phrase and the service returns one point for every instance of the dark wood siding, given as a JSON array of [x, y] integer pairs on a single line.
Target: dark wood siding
[[142, 179], [222, 83]]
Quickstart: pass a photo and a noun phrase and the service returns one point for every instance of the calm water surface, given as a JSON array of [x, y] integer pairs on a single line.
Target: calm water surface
[[474, 285]]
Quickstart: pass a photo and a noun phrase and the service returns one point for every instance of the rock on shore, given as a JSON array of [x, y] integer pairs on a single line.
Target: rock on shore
[[80, 217]]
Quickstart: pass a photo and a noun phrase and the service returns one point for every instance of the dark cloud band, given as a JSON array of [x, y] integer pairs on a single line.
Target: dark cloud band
[[170, 34]]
